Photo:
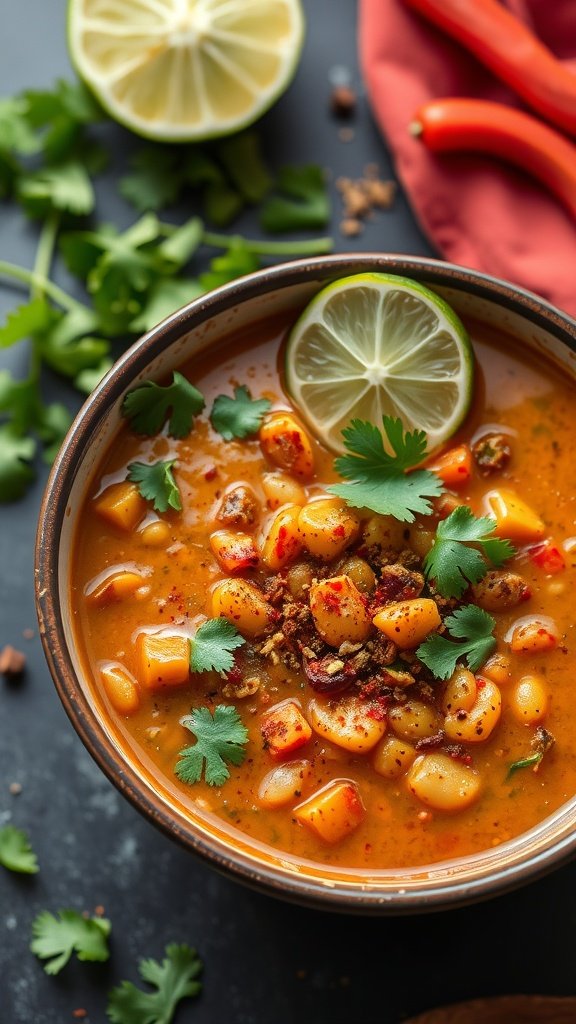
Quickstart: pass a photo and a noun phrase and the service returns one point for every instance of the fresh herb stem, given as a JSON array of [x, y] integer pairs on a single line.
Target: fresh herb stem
[[44, 255], [261, 247], [32, 279]]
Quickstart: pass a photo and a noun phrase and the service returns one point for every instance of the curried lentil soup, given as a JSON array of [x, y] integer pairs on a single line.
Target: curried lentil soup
[[357, 754]]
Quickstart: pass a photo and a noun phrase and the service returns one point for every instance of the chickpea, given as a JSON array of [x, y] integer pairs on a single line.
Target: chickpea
[[243, 605], [384, 531], [280, 543], [300, 578], [393, 757], [475, 724], [282, 489], [443, 783], [284, 784], [421, 541], [498, 668], [460, 691], [358, 570], [346, 723], [413, 720], [155, 534], [529, 699]]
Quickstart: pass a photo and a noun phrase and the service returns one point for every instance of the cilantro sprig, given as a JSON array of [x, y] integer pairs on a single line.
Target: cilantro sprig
[[133, 278], [379, 480], [212, 645], [55, 938], [220, 740], [16, 853], [148, 405], [174, 978], [156, 483], [240, 416], [452, 564], [472, 628]]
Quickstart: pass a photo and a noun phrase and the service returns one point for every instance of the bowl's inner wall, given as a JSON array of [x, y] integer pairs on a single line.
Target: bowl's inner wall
[[201, 831]]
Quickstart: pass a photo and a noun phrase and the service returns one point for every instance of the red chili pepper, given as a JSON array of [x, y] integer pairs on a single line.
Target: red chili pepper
[[508, 47], [548, 557], [448, 125]]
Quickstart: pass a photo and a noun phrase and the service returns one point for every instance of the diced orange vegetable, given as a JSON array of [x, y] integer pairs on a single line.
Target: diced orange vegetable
[[407, 623], [515, 520], [327, 527], [533, 636], [332, 812], [234, 552], [243, 605], [287, 445], [122, 505], [281, 542], [548, 556], [115, 587], [285, 729], [163, 659], [454, 467], [120, 687], [339, 611]]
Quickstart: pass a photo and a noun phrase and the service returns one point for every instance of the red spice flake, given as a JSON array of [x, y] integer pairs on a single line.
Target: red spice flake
[[352, 801], [335, 585], [210, 473], [378, 709], [332, 603], [339, 531], [480, 683]]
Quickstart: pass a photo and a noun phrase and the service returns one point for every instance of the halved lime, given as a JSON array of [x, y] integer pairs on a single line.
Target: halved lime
[[182, 70], [376, 344]]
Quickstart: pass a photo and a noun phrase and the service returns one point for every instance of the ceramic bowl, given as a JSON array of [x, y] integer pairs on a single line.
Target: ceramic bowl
[[280, 290]]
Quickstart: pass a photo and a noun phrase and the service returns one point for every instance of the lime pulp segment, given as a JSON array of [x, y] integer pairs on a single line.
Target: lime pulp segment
[[376, 344]]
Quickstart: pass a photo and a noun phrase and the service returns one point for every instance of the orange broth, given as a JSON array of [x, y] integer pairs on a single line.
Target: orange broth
[[535, 406]]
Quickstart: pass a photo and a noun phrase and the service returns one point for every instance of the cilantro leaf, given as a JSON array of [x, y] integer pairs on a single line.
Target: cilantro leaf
[[64, 187], [16, 130], [242, 159], [89, 377], [165, 297], [239, 416], [16, 854], [174, 979], [156, 180], [235, 262], [181, 244], [219, 739], [148, 405], [308, 205], [52, 427], [472, 625], [25, 320], [156, 483], [378, 479], [15, 472], [212, 644], [451, 564], [54, 939]]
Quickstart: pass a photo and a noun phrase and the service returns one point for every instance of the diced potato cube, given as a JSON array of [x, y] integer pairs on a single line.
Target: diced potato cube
[[281, 542], [350, 723], [408, 623], [285, 729], [327, 527], [243, 605], [121, 505], [113, 588], [384, 531], [120, 688], [515, 520], [234, 552], [333, 812], [339, 611], [163, 659], [284, 784], [287, 444]]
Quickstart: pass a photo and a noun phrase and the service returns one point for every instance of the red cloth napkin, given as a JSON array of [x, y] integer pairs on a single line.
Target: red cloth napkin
[[476, 211]]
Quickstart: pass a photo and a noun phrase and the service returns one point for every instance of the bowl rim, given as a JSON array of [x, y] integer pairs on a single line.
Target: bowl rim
[[232, 860]]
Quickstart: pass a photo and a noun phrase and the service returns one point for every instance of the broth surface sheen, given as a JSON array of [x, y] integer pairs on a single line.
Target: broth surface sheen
[[534, 406]]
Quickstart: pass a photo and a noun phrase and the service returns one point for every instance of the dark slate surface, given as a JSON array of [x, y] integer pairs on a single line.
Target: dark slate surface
[[265, 961]]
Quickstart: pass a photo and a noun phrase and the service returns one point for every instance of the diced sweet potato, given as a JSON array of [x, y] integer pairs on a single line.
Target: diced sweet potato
[[121, 505], [332, 812], [234, 552], [285, 729], [515, 520], [454, 467], [407, 623], [163, 659], [120, 688]]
